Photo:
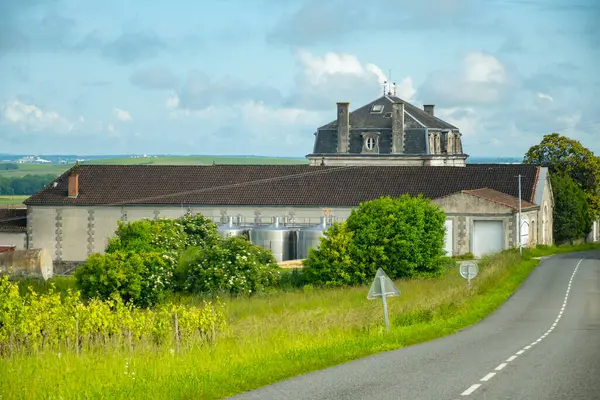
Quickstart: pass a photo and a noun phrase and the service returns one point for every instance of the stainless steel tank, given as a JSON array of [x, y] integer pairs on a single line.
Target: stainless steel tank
[[310, 238], [229, 229], [277, 238]]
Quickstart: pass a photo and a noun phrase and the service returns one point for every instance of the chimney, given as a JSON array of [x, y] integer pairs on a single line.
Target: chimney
[[428, 108], [398, 128], [73, 189], [343, 126]]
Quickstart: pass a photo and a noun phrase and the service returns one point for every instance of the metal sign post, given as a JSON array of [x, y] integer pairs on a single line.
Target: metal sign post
[[383, 287], [468, 270]]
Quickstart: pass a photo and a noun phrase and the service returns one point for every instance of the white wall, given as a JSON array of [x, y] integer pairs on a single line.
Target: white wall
[[17, 239]]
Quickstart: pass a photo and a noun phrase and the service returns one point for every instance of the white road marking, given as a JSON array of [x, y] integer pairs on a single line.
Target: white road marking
[[512, 358], [470, 390], [488, 376]]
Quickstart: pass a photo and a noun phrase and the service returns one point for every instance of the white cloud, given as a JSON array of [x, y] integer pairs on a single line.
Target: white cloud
[[326, 79], [465, 118], [485, 68], [259, 114], [122, 115], [30, 118], [318, 69], [544, 96], [172, 102], [483, 79]]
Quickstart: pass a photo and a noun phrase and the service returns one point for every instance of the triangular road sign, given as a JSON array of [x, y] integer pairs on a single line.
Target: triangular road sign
[[382, 284]]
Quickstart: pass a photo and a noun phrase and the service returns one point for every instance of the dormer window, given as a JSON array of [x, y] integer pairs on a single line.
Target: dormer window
[[377, 109], [370, 143]]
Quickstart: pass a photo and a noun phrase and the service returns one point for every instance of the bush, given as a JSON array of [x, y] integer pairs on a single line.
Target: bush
[[141, 260], [236, 267], [331, 264], [403, 236], [142, 279], [164, 235]]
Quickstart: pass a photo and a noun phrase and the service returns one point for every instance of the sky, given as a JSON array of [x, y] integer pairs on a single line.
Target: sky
[[258, 77]]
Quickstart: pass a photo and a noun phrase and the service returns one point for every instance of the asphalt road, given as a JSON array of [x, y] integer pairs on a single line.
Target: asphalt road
[[543, 343]]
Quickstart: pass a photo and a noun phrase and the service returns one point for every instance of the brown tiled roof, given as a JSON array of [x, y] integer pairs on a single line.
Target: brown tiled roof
[[500, 198], [278, 185], [13, 219]]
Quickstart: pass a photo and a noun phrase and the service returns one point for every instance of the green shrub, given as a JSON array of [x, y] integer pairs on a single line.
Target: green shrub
[[164, 235], [331, 263], [236, 266], [102, 275], [403, 236], [142, 279]]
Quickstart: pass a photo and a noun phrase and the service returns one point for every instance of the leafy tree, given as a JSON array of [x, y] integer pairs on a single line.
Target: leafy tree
[[167, 235], [567, 156], [571, 211], [236, 266], [331, 263], [403, 236]]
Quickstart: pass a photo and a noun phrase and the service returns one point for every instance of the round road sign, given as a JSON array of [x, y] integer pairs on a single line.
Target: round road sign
[[468, 269]]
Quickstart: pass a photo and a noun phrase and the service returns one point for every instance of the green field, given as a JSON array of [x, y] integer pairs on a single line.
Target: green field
[[272, 337], [57, 169], [34, 169], [198, 160], [12, 200]]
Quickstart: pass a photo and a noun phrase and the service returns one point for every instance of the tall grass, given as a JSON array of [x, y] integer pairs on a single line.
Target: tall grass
[[273, 337]]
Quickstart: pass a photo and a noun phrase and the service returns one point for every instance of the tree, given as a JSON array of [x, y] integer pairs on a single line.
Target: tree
[[567, 156], [571, 211], [331, 263], [403, 236]]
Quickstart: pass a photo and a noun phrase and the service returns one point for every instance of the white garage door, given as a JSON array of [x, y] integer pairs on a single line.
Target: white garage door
[[448, 239], [488, 237]]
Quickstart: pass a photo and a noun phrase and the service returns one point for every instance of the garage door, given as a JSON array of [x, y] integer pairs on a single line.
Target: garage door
[[488, 237], [448, 239]]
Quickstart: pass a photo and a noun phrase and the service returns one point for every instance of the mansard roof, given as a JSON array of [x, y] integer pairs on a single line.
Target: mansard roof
[[364, 118]]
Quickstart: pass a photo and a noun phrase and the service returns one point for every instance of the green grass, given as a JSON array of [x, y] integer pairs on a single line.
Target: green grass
[[276, 336], [12, 200]]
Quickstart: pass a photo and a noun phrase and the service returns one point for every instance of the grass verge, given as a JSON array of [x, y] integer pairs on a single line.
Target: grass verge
[[276, 336]]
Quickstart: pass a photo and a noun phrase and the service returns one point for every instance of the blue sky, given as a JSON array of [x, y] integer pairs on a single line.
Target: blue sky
[[259, 76]]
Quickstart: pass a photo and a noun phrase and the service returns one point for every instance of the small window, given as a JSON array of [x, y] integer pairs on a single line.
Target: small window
[[370, 143], [387, 115], [377, 108]]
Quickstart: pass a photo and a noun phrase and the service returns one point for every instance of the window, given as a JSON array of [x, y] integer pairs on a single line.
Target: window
[[377, 108], [370, 143], [387, 115]]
